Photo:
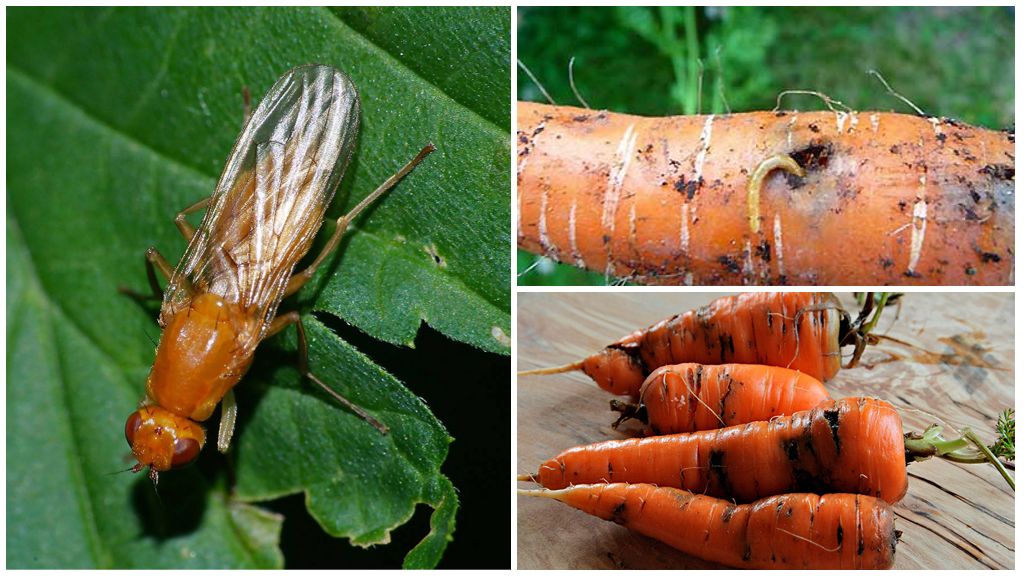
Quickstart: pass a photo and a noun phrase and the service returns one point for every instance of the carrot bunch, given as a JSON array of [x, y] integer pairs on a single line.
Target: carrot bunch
[[758, 468]]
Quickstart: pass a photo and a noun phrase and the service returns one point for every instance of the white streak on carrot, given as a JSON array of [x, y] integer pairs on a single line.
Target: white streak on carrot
[[705, 144], [853, 121], [874, 123], [748, 263], [624, 153], [688, 279], [936, 125], [576, 256], [778, 245], [613, 190], [789, 130], [542, 226], [919, 225], [840, 121], [684, 229]]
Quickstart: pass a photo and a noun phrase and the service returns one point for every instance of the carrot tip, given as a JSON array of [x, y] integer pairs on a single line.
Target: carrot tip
[[553, 494], [554, 370]]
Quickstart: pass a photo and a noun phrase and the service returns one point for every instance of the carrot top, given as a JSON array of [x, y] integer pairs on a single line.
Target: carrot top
[[968, 448], [857, 332]]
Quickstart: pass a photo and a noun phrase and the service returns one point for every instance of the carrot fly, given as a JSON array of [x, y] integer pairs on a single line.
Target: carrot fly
[[221, 301]]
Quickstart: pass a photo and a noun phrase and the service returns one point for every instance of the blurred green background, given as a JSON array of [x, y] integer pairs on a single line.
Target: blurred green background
[[950, 61]]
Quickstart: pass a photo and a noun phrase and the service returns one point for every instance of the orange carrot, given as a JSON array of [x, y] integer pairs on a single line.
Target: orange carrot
[[798, 330], [851, 445], [840, 198], [692, 397], [791, 531]]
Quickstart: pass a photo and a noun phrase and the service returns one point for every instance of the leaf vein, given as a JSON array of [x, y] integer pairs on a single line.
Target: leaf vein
[[491, 126]]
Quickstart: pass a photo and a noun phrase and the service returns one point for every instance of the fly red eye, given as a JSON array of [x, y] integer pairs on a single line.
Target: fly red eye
[[185, 451], [131, 427]]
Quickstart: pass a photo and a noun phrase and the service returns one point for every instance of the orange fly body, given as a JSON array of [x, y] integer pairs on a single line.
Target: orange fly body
[[221, 301]]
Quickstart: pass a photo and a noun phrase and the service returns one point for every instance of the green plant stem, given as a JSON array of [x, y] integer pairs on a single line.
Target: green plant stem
[[669, 46], [879, 306], [989, 456], [693, 57], [967, 449]]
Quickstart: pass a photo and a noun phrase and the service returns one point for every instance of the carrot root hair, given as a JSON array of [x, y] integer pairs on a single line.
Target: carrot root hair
[[554, 370], [854, 332], [817, 308], [828, 100], [572, 84], [809, 541], [905, 100], [536, 82]]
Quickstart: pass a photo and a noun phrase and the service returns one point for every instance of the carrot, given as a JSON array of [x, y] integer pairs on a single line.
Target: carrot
[[854, 445], [791, 531], [799, 330], [692, 397], [840, 198], [851, 445]]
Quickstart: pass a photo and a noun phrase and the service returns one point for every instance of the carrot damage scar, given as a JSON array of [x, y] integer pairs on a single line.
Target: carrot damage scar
[[780, 161]]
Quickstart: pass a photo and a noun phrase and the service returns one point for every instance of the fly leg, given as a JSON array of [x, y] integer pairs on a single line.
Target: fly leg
[[298, 280], [228, 414], [154, 261], [280, 323], [184, 227]]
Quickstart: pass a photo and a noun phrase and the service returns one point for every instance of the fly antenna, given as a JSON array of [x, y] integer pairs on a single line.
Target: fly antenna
[[116, 472]]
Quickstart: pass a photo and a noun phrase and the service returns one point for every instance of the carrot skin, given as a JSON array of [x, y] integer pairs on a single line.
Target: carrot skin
[[750, 328], [886, 198], [834, 531], [692, 397], [851, 445]]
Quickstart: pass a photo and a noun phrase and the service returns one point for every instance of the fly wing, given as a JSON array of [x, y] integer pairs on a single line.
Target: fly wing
[[272, 195]]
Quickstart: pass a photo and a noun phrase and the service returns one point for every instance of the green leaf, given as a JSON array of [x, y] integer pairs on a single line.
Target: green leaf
[[117, 119], [65, 402], [359, 483]]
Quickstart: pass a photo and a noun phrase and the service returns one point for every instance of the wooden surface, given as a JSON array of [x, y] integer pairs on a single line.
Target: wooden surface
[[953, 517]]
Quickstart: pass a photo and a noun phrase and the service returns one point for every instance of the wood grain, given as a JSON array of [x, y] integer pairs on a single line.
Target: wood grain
[[960, 371]]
